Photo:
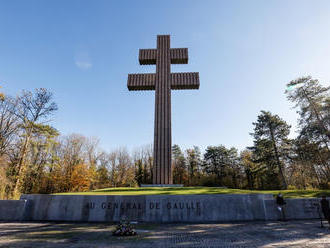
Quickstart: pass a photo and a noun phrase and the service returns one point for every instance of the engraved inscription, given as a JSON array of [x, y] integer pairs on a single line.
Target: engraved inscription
[[175, 205]]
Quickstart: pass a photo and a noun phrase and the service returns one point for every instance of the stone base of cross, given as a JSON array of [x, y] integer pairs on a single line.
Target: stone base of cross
[[163, 81]]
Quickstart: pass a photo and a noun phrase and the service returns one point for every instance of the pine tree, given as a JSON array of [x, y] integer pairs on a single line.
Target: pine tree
[[270, 142]]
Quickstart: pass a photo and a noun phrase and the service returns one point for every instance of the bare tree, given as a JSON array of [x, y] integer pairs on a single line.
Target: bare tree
[[33, 111], [8, 124]]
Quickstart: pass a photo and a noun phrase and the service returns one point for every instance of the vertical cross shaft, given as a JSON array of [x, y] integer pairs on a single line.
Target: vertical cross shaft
[[162, 139]]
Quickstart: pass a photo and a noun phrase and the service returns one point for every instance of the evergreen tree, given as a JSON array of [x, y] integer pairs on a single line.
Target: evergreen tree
[[221, 162], [139, 171], [194, 162], [253, 171], [179, 166], [270, 144], [313, 101]]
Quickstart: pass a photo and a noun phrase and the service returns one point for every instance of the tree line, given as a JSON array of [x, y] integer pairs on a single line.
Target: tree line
[[35, 158]]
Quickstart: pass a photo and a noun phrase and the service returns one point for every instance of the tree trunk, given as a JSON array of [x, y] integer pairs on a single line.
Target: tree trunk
[[285, 186], [22, 167]]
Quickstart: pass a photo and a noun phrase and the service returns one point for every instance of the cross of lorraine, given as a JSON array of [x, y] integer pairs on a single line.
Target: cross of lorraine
[[163, 81]]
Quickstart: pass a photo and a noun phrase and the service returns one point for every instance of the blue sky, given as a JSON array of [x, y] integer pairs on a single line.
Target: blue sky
[[245, 52]]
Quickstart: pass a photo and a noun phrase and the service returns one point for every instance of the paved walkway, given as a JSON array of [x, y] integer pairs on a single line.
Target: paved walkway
[[249, 234]]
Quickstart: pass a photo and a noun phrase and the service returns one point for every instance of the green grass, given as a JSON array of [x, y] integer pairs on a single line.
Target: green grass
[[198, 190]]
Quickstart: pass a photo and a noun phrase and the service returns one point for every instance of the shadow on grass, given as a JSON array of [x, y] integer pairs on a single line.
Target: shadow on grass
[[306, 193], [155, 189], [217, 190], [178, 190], [200, 190]]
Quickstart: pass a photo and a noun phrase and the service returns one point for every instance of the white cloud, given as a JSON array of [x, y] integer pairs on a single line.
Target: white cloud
[[82, 60], [83, 65]]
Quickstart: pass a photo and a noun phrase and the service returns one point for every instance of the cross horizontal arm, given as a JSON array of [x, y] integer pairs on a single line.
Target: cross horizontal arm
[[145, 81], [179, 55], [147, 56], [185, 81]]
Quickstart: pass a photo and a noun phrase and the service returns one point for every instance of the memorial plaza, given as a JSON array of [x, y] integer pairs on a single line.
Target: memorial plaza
[[303, 233]]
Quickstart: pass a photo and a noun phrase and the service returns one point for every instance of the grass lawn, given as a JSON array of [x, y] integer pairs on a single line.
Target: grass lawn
[[198, 190]]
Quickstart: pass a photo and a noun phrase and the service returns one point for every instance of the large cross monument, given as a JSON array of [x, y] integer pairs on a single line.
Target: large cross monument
[[163, 81]]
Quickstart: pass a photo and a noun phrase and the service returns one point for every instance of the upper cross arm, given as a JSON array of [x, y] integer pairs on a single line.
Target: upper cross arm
[[147, 56], [179, 55]]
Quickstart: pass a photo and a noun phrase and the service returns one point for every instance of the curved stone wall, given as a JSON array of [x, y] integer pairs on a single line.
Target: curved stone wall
[[155, 208]]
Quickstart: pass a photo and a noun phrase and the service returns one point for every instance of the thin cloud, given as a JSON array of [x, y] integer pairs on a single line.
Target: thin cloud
[[82, 60], [83, 65]]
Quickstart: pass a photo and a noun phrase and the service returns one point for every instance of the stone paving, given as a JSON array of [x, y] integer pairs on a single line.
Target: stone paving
[[235, 235]]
